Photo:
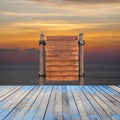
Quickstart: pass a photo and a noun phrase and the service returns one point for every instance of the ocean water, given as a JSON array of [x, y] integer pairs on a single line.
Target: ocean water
[[27, 74], [19, 73], [102, 74]]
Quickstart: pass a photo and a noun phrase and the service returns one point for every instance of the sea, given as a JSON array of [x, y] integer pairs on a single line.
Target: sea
[[27, 74]]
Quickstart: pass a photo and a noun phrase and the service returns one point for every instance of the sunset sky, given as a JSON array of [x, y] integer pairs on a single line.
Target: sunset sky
[[22, 21]]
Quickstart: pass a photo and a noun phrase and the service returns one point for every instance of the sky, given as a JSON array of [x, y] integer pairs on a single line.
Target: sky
[[22, 21]]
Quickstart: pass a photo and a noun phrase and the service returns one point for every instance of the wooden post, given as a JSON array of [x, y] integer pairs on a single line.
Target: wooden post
[[42, 73], [81, 58]]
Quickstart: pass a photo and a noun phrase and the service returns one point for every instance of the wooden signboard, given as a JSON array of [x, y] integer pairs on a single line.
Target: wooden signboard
[[62, 58]]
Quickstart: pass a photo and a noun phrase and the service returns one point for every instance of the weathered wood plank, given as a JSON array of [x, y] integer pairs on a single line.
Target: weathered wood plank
[[61, 65], [73, 108], [6, 91], [80, 106], [65, 105], [64, 78], [9, 92], [90, 95], [57, 112], [50, 108], [109, 103], [21, 105], [31, 100], [57, 53], [91, 112], [6, 103], [61, 58], [60, 49], [15, 100], [61, 103], [114, 94], [43, 106], [3, 89], [72, 67], [103, 105], [34, 108], [115, 88], [110, 96], [5, 100], [61, 73], [31, 112], [60, 61]]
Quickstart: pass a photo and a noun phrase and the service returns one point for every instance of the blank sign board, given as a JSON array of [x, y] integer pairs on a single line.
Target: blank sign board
[[62, 58]]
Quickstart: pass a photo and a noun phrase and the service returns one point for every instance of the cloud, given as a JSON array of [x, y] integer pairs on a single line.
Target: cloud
[[80, 1], [26, 50], [93, 1], [19, 55], [7, 13], [6, 50]]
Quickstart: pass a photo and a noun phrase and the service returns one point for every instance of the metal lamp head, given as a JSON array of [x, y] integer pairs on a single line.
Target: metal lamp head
[[81, 36], [41, 36]]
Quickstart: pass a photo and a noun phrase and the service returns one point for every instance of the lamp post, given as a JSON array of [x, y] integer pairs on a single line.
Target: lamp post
[[81, 44], [42, 73]]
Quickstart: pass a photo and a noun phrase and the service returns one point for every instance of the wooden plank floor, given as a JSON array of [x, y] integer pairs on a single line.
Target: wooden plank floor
[[60, 102]]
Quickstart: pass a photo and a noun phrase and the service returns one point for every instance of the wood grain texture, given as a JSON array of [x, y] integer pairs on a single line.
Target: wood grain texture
[[61, 55], [60, 103]]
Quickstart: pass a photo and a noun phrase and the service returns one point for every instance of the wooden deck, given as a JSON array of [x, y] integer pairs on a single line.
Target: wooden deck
[[59, 102], [62, 58]]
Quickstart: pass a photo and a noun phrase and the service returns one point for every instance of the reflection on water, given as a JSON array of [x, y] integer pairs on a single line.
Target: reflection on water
[[26, 74], [62, 58]]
